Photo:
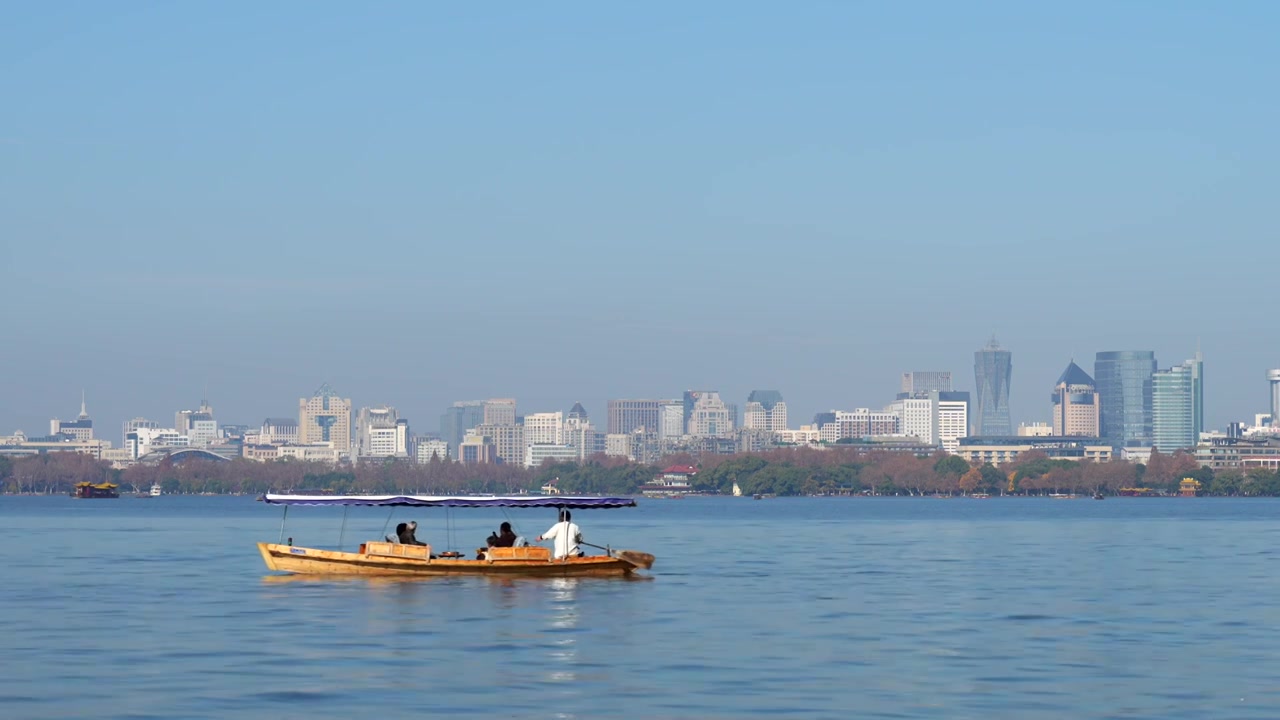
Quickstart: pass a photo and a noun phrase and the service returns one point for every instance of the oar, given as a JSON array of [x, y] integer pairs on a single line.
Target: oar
[[641, 560]]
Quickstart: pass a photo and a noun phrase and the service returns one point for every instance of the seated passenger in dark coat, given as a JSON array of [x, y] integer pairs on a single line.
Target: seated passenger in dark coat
[[503, 538], [405, 533]]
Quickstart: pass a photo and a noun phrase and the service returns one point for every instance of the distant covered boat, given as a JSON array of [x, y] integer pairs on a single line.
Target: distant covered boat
[[393, 558], [88, 490]]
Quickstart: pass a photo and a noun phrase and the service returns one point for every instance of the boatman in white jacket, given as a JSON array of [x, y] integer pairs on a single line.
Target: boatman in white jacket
[[567, 536]]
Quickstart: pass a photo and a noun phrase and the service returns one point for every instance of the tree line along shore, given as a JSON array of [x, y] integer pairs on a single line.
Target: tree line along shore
[[789, 471]]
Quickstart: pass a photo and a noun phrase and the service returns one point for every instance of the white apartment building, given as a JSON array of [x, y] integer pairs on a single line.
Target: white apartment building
[[427, 449], [953, 423], [708, 415], [935, 417], [916, 415], [806, 435], [618, 445], [539, 453], [861, 422], [544, 428], [670, 419], [765, 411]]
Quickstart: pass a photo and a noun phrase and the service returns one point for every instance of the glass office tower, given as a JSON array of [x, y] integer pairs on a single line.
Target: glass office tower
[[1124, 380], [992, 370]]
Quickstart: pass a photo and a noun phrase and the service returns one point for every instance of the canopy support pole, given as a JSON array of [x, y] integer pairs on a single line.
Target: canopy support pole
[[283, 517], [342, 534]]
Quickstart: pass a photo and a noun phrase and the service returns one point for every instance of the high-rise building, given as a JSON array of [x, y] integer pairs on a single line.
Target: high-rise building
[[1123, 379], [915, 416], [198, 425], [1177, 406], [381, 433], [1273, 377], [765, 411], [499, 411], [325, 417], [1076, 409], [544, 429], [577, 413], [138, 423], [706, 415], [951, 413], [626, 416], [923, 381], [936, 418], [992, 372], [80, 429], [507, 440], [458, 419], [670, 419]]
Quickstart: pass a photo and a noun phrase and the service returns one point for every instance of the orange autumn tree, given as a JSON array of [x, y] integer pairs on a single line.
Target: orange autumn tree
[[969, 481]]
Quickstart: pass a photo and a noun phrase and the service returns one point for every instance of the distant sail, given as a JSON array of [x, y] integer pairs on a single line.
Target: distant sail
[[737, 491]]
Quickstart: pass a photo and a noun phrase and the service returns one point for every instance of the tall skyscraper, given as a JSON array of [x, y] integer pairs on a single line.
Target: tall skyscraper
[[765, 411], [924, 381], [992, 372], [1177, 406], [706, 415], [1123, 378], [1076, 409], [458, 419], [325, 417], [381, 432], [626, 416], [1273, 377], [500, 411]]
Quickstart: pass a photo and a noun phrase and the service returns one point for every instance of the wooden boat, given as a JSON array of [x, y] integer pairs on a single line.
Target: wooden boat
[[88, 490], [379, 558]]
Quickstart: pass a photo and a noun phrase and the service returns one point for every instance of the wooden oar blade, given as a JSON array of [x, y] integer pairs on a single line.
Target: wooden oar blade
[[642, 560]]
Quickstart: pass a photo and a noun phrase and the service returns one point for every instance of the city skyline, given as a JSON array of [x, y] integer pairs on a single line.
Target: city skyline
[[433, 422], [583, 202]]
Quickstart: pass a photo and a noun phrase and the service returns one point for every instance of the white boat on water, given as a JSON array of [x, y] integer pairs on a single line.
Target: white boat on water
[[155, 490], [737, 491]]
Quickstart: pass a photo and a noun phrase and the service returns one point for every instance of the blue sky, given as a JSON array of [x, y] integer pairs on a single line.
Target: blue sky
[[420, 203]]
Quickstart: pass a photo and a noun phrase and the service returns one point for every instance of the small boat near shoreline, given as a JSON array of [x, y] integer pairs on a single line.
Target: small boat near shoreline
[[392, 558]]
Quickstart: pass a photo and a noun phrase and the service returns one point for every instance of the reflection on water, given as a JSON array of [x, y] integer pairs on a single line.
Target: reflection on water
[[564, 617]]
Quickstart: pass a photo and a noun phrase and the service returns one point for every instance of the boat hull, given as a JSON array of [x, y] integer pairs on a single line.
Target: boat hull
[[313, 561]]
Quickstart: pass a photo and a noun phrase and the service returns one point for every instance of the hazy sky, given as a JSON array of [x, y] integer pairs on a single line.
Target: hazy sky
[[426, 202]]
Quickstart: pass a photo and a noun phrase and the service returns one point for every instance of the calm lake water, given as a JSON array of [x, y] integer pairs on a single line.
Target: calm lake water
[[805, 608]]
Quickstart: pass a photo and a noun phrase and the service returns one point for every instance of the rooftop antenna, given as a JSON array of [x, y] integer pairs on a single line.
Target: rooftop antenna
[[83, 413]]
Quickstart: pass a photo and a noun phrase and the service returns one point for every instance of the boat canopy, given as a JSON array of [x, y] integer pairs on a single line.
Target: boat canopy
[[467, 501]]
